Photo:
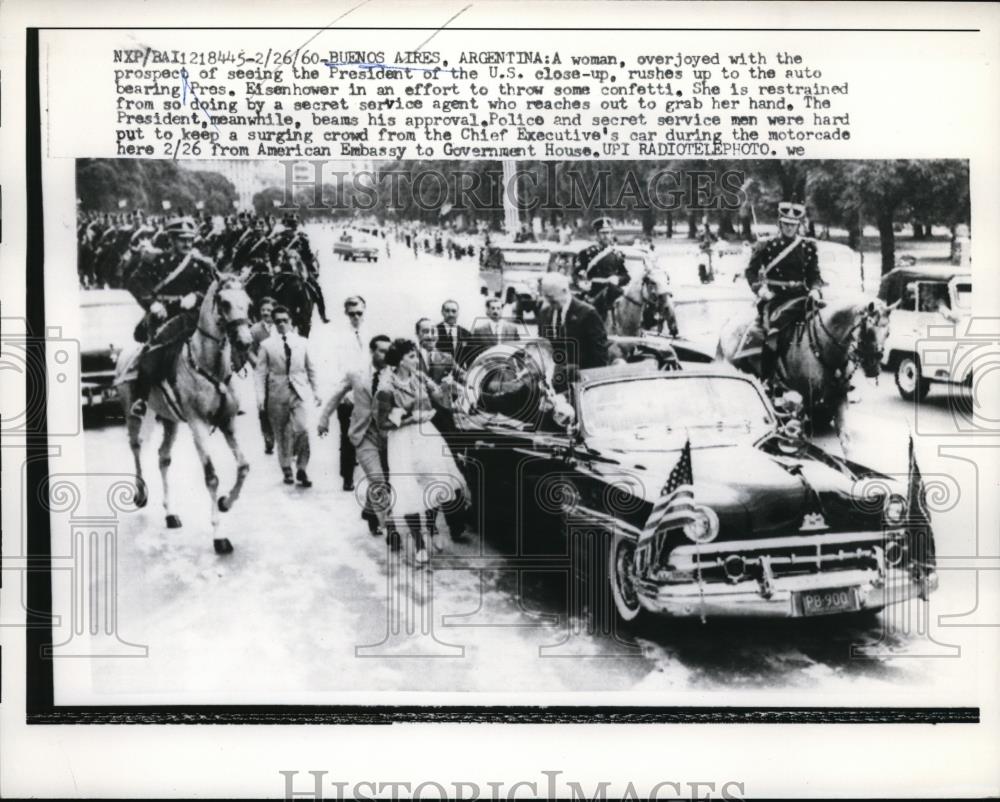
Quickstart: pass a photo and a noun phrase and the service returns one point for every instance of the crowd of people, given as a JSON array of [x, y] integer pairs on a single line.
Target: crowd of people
[[394, 402], [394, 398]]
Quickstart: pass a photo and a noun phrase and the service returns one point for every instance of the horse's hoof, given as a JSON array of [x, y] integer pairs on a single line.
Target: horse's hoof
[[223, 546], [141, 499], [173, 522], [224, 504]]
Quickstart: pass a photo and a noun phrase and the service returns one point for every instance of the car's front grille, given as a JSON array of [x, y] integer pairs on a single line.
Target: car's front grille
[[736, 561]]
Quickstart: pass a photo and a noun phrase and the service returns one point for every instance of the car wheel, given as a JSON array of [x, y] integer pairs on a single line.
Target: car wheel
[[622, 578], [909, 381]]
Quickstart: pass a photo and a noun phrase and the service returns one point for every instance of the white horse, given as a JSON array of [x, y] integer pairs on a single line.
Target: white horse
[[200, 395]]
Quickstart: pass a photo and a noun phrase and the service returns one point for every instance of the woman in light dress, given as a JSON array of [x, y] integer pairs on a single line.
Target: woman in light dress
[[422, 473]]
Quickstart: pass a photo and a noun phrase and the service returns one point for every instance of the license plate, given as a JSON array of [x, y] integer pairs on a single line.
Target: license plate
[[824, 602]]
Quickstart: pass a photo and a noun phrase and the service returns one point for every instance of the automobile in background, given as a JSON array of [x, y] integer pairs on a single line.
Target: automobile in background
[[512, 270], [925, 299], [107, 321], [773, 526], [354, 245]]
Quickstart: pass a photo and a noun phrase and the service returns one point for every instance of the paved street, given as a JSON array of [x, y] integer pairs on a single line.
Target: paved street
[[307, 584]]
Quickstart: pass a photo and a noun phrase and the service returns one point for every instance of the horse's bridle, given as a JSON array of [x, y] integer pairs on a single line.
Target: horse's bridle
[[850, 351]]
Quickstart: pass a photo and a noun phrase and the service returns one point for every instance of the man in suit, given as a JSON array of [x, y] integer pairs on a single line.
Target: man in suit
[[574, 328], [260, 331], [286, 380], [352, 354], [368, 440], [495, 330], [453, 339]]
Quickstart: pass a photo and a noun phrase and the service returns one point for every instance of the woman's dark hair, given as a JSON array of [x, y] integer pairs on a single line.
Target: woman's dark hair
[[399, 348]]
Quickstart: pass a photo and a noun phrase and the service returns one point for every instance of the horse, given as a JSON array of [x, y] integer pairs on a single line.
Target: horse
[[200, 396], [818, 355], [645, 304]]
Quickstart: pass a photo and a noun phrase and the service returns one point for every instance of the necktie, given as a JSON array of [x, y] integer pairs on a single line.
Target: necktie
[[558, 321], [288, 354], [374, 382]]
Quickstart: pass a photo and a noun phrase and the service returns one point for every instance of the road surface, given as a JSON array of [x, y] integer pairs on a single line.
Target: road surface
[[304, 608]]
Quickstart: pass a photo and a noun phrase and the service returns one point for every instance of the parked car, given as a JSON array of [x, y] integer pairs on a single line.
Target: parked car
[[107, 321], [925, 301], [778, 527], [355, 245], [512, 271]]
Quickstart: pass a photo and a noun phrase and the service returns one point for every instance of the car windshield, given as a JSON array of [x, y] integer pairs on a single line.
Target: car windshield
[[674, 403], [526, 260], [108, 324]]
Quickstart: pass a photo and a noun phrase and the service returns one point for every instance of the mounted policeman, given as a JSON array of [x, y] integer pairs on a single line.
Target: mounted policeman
[[290, 246], [170, 285], [783, 272], [601, 269]]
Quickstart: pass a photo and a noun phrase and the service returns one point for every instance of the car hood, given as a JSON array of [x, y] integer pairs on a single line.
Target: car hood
[[755, 493]]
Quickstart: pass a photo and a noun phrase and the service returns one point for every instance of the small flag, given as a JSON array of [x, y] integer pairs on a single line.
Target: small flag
[[276, 203], [166, 205], [675, 505], [918, 522], [122, 203], [445, 208], [199, 205], [236, 204]]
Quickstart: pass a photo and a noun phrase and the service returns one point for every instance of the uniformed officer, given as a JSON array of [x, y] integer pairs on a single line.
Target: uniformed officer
[[289, 239], [782, 271], [170, 285], [603, 265]]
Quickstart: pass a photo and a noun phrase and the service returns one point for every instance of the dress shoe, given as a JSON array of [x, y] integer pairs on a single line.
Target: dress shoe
[[303, 479], [395, 542], [421, 557], [348, 485], [288, 476]]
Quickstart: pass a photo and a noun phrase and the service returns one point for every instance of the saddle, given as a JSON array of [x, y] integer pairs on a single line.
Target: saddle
[[785, 320]]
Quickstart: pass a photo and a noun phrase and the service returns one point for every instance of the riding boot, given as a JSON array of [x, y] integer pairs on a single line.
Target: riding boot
[[320, 301], [768, 367], [670, 318], [141, 387]]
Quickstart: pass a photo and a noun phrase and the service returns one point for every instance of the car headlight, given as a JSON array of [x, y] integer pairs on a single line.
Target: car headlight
[[895, 509], [703, 526]]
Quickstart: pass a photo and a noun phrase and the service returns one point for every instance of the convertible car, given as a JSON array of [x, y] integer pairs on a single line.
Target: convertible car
[[764, 523]]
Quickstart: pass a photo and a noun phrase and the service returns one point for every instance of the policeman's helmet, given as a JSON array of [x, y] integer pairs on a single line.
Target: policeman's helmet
[[791, 212], [602, 224], [181, 228]]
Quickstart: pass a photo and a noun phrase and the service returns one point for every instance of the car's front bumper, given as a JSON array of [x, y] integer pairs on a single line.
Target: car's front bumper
[[782, 600]]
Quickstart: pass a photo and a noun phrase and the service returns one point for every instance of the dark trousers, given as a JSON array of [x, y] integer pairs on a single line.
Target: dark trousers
[[348, 459]]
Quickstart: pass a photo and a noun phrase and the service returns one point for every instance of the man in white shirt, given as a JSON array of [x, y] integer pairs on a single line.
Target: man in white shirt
[[494, 330], [286, 377], [452, 339], [353, 356]]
